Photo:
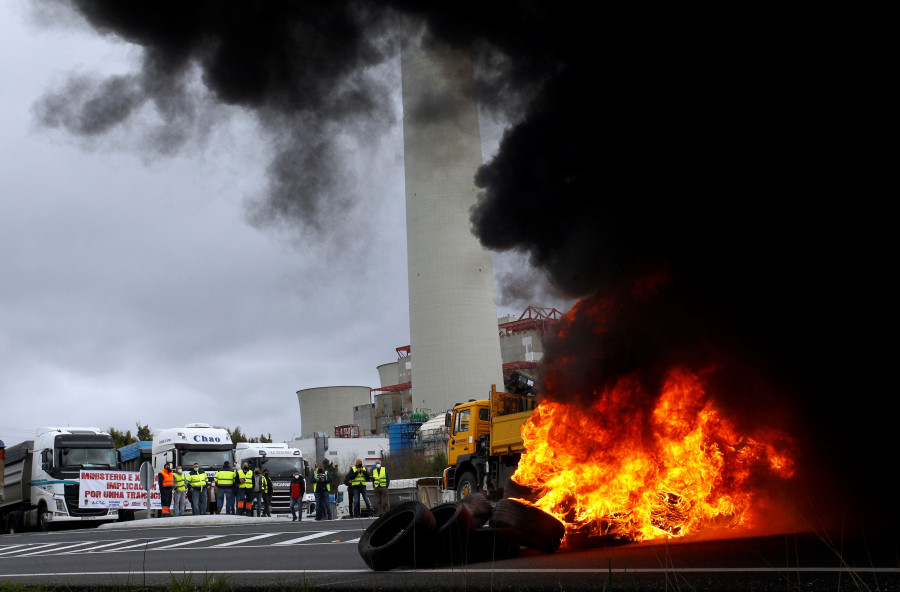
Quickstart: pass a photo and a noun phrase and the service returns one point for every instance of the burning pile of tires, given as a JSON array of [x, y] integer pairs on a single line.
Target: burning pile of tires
[[411, 535]]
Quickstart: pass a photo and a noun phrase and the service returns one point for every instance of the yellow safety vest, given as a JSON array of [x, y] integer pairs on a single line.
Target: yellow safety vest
[[198, 480], [179, 481], [247, 476], [225, 478], [264, 484], [379, 477], [360, 477]]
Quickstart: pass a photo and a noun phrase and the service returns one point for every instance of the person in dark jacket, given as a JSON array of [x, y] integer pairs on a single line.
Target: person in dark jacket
[[298, 488], [322, 489], [265, 485]]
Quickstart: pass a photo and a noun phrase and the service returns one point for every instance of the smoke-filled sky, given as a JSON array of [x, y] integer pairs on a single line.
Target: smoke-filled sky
[[138, 281], [202, 204]]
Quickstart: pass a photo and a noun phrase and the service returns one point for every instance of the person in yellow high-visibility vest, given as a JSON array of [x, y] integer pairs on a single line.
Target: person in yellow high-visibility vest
[[380, 482], [244, 490], [225, 481], [197, 483], [178, 492], [358, 476]]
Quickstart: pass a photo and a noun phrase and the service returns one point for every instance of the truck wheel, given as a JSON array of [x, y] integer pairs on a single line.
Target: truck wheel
[[466, 485], [43, 519], [402, 536], [453, 522], [14, 523], [534, 527]]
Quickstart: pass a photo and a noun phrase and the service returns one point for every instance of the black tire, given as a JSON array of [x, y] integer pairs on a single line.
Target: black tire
[[15, 523], [466, 485], [479, 507], [453, 522], [534, 527], [492, 544], [43, 519], [404, 536]]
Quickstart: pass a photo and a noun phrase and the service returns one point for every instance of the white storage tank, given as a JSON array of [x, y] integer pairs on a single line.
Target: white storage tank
[[322, 408]]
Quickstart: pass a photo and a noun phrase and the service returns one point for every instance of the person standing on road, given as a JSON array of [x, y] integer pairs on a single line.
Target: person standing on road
[[380, 482], [197, 482], [178, 492], [244, 490], [256, 494], [225, 479], [265, 486], [322, 491], [166, 482], [359, 475], [298, 488]]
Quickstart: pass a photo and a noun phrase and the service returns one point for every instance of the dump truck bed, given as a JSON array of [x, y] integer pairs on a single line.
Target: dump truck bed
[[508, 413]]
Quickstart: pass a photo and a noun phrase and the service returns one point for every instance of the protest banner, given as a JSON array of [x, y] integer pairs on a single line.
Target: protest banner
[[115, 489]]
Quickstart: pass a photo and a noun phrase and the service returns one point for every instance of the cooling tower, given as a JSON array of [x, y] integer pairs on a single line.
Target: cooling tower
[[322, 408], [452, 308]]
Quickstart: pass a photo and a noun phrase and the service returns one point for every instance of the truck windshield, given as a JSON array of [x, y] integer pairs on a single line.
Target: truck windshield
[[281, 467], [205, 458], [86, 457]]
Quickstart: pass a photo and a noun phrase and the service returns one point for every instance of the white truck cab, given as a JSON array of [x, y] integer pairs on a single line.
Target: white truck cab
[[281, 461]]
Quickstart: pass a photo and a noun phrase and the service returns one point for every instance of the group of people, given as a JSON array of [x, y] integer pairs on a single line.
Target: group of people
[[356, 480], [245, 491], [251, 489]]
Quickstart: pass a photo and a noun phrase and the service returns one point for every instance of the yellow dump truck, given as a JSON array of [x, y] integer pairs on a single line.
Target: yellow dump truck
[[486, 442]]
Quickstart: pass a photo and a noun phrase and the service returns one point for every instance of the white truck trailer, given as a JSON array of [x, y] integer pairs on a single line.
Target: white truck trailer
[[281, 461], [194, 443], [41, 478]]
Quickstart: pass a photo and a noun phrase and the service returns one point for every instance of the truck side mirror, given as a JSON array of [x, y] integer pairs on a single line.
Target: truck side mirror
[[46, 459], [447, 420]]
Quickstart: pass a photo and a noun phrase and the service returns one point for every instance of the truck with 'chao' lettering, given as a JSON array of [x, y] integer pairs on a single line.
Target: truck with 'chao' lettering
[[194, 443], [486, 438], [41, 478], [281, 461]]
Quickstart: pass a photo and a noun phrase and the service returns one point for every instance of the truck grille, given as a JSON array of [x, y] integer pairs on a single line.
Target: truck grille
[[71, 496]]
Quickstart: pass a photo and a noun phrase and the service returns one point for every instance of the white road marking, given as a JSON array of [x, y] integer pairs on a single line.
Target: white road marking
[[247, 540], [121, 542], [38, 546], [56, 549], [182, 543], [147, 543], [308, 537]]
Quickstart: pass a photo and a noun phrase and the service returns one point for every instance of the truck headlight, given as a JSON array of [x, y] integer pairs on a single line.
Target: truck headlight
[[60, 505]]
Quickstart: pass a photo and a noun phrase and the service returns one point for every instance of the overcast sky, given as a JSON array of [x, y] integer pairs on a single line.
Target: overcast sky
[[132, 287]]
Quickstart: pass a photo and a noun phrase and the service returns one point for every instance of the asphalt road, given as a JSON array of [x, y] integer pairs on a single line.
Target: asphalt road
[[266, 553]]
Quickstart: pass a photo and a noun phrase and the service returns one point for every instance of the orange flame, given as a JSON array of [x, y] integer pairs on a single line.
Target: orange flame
[[678, 470]]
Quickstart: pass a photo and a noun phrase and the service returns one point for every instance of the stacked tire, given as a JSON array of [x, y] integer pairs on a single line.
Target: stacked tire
[[411, 535]]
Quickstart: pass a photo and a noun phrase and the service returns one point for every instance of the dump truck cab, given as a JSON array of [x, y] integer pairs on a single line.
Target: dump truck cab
[[486, 442]]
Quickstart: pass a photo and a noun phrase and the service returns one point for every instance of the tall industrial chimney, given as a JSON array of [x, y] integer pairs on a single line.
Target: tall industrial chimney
[[452, 308]]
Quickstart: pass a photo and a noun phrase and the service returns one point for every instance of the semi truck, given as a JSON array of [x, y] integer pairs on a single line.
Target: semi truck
[[194, 443], [41, 478], [281, 461], [486, 439]]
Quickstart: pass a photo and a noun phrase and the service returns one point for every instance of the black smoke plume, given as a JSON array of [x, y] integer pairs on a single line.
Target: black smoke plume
[[712, 153]]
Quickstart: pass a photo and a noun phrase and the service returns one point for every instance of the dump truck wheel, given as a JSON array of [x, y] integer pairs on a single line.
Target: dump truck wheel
[[534, 527], [15, 523], [492, 544], [466, 485], [43, 519], [452, 525], [403, 536]]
